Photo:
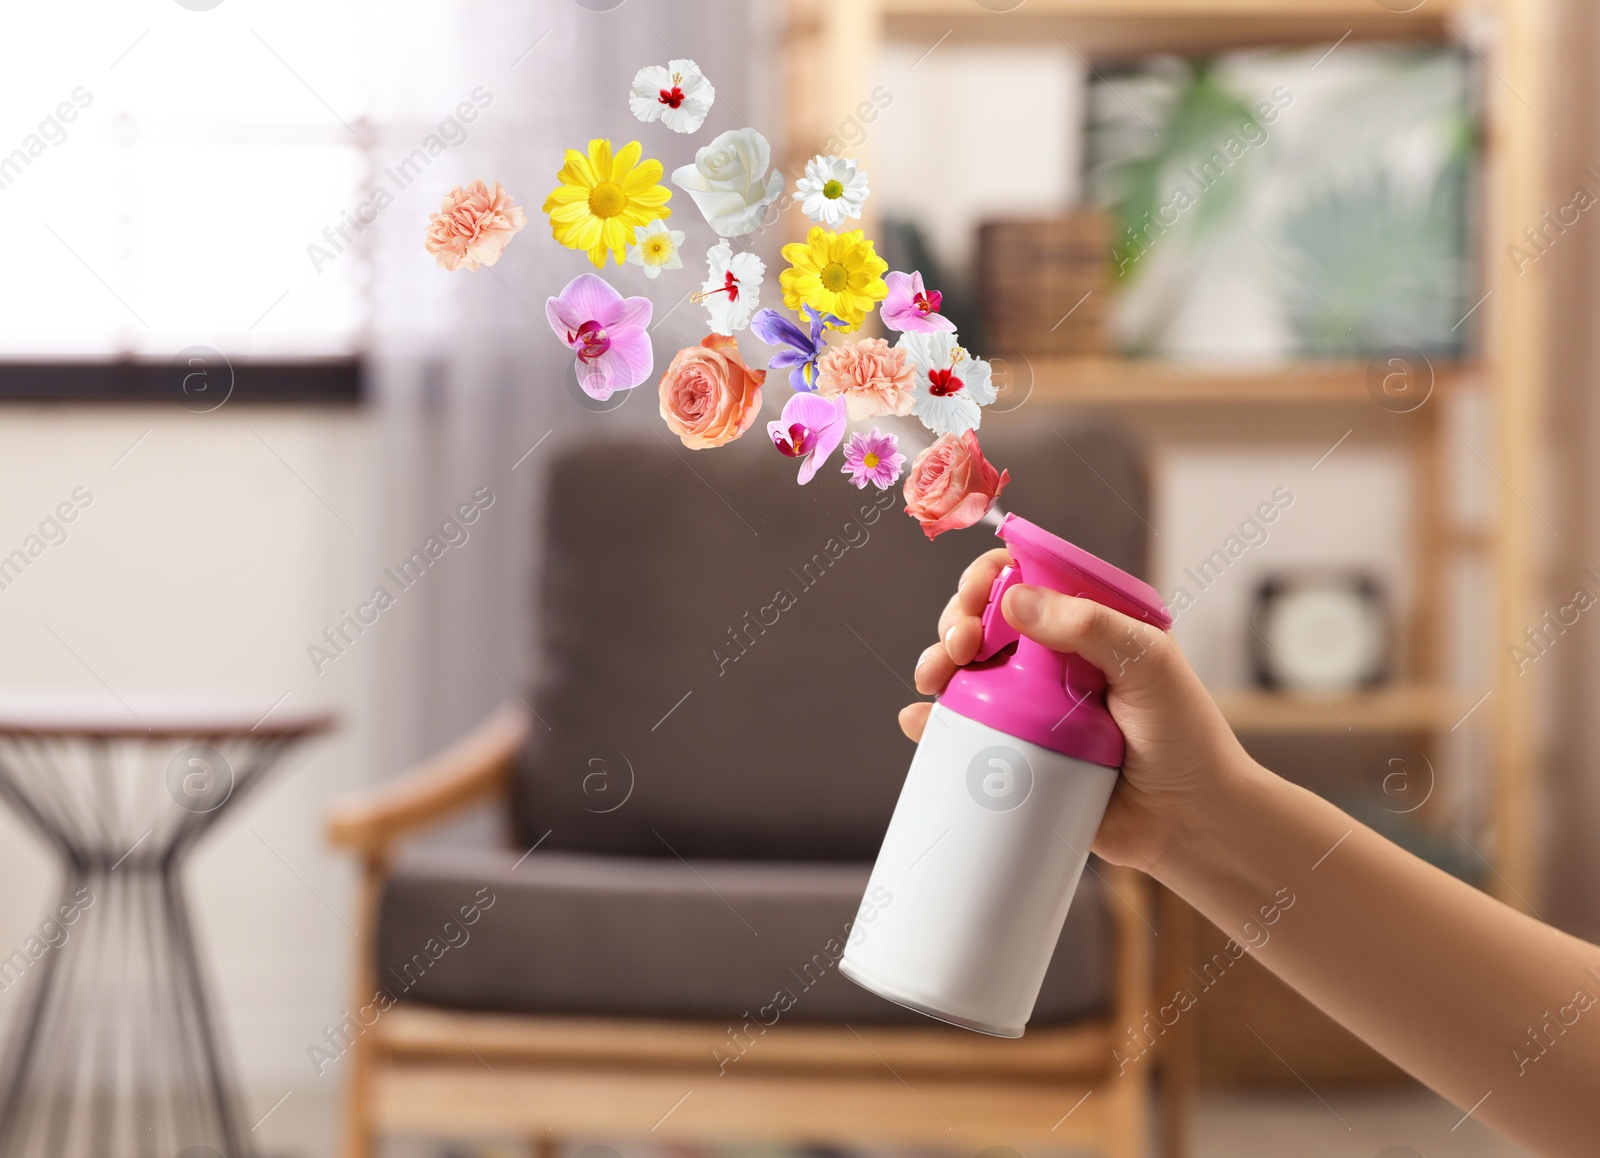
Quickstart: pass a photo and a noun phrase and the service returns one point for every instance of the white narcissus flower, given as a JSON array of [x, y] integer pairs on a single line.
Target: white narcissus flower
[[951, 384], [679, 96], [733, 289], [655, 247], [729, 181], [832, 190]]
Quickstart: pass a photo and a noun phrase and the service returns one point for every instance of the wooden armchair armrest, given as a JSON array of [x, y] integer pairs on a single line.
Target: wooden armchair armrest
[[474, 767]]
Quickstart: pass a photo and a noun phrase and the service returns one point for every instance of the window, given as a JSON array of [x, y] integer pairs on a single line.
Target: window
[[164, 170]]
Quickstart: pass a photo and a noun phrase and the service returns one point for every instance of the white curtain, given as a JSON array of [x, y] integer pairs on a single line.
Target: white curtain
[[466, 377]]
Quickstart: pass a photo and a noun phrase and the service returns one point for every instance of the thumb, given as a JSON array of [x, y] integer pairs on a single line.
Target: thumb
[[1130, 653]]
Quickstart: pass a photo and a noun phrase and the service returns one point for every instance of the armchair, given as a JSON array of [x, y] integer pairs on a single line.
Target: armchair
[[652, 954]]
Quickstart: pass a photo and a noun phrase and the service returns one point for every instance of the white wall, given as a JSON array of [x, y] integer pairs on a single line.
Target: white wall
[[976, 132], [204, 561], [1349, 513]]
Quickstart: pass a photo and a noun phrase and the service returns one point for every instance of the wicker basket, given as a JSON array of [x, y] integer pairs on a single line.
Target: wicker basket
[[1042, 284]]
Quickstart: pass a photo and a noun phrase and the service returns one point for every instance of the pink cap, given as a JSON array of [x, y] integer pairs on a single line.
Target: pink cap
[[1055, 700]]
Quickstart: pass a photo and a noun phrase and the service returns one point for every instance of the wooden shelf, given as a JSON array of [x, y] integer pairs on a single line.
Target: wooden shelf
[[1404, 708], [1167, 9], [1144, 26], [1135, 381]]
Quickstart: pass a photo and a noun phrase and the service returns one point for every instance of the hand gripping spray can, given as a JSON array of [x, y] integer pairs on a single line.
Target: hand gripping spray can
[[1005, 794]]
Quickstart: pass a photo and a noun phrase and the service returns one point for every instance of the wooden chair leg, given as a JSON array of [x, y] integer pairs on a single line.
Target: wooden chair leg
[[360, 1061], [358, 1135], [1180, 1057], [1128, 1121]]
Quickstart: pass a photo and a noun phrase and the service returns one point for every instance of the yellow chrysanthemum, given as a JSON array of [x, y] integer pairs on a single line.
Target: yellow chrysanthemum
[[834, 273], [602, 198]]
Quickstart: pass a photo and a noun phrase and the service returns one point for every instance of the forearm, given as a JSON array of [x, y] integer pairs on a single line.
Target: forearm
[[1468, 995]]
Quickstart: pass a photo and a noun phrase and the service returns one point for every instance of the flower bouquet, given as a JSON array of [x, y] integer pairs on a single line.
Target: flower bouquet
[[610, 204]]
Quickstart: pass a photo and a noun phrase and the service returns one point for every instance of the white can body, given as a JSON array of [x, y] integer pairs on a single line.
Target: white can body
[[977, 870]]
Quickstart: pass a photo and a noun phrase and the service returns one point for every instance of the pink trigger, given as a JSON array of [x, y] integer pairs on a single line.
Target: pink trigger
[[997, 633]]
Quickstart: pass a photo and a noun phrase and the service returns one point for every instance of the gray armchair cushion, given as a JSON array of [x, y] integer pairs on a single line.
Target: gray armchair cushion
[[564, 933], [723, 652]]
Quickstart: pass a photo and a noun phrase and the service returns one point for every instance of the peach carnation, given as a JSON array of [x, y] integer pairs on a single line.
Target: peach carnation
[[708, 395], [473, 225], [951, 485], [874, 378]]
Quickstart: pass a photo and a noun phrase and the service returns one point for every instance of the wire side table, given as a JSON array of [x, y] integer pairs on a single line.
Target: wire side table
[[117, 1054]]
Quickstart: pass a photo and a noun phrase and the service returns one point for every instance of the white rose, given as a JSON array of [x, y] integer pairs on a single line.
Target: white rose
[[729, 183]]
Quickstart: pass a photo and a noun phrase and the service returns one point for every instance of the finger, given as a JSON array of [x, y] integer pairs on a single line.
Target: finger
[[951, 613], [1120, 646], [979, 577], [963, 638], [913, 719], [934, 669]]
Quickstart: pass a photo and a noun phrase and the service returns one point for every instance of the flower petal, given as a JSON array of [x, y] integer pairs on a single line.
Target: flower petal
[[600, 158], [632, 357], [626, 158], [587, 298], [577, 170], [635, 312]]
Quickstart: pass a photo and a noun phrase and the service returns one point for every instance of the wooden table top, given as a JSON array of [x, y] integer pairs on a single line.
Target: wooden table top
[[154, 713]]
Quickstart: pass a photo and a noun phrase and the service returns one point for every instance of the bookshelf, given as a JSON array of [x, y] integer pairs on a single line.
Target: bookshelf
[[831, 48]]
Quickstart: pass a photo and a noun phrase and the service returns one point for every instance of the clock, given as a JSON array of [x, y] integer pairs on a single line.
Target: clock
[[1327, 632]]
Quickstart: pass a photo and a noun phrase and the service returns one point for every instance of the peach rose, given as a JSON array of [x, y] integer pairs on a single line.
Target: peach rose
[[708, 395], [473, 225], [951, 485], [873, 378]]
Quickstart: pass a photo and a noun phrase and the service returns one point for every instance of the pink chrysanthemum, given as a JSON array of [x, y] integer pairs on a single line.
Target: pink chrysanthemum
[[873, 457]]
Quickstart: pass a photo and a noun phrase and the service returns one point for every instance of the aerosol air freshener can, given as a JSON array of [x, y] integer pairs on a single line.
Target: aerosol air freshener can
[[1004, 797]]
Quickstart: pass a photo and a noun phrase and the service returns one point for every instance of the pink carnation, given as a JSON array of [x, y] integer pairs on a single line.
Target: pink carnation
[[473, 225], [873, 378]]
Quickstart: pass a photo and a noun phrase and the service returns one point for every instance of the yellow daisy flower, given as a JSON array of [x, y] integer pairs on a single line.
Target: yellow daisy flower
[[603, 198], [834, 273]]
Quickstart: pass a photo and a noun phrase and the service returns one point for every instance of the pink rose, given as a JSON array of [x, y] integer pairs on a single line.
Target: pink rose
[[473, 225], [873, 378], [951, 485], [708, 395]]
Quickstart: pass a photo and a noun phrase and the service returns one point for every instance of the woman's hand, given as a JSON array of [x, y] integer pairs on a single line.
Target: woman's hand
[[1180, 749]]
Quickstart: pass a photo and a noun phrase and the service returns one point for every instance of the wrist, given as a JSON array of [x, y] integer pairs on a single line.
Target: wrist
[[1201, 838]]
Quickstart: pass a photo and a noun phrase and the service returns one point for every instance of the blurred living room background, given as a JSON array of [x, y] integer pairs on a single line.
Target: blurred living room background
[[1291, 306]]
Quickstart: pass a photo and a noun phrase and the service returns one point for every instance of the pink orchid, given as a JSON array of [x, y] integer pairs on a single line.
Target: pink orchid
[[809, 429], [606, 331], [910, 308]]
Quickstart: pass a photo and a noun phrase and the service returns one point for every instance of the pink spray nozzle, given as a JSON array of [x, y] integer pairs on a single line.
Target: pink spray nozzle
[[1053, 699], [1048, 561]]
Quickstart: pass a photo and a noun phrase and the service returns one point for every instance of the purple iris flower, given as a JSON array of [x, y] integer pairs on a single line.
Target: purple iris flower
[[797, 353]]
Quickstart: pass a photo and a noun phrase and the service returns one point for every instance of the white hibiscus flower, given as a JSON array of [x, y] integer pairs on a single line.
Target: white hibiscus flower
[[832, 190], [733, 289], [679, 96], [951, 384]]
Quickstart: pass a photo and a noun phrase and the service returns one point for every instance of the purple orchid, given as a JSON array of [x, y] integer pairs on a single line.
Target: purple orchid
[[606, 331], [799, 353], [910, 308], [809, 429]]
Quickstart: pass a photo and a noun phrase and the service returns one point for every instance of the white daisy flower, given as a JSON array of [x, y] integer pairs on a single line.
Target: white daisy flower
[[655, 247], [733, 289], [679, 96], [832, 189], [951, 384]]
